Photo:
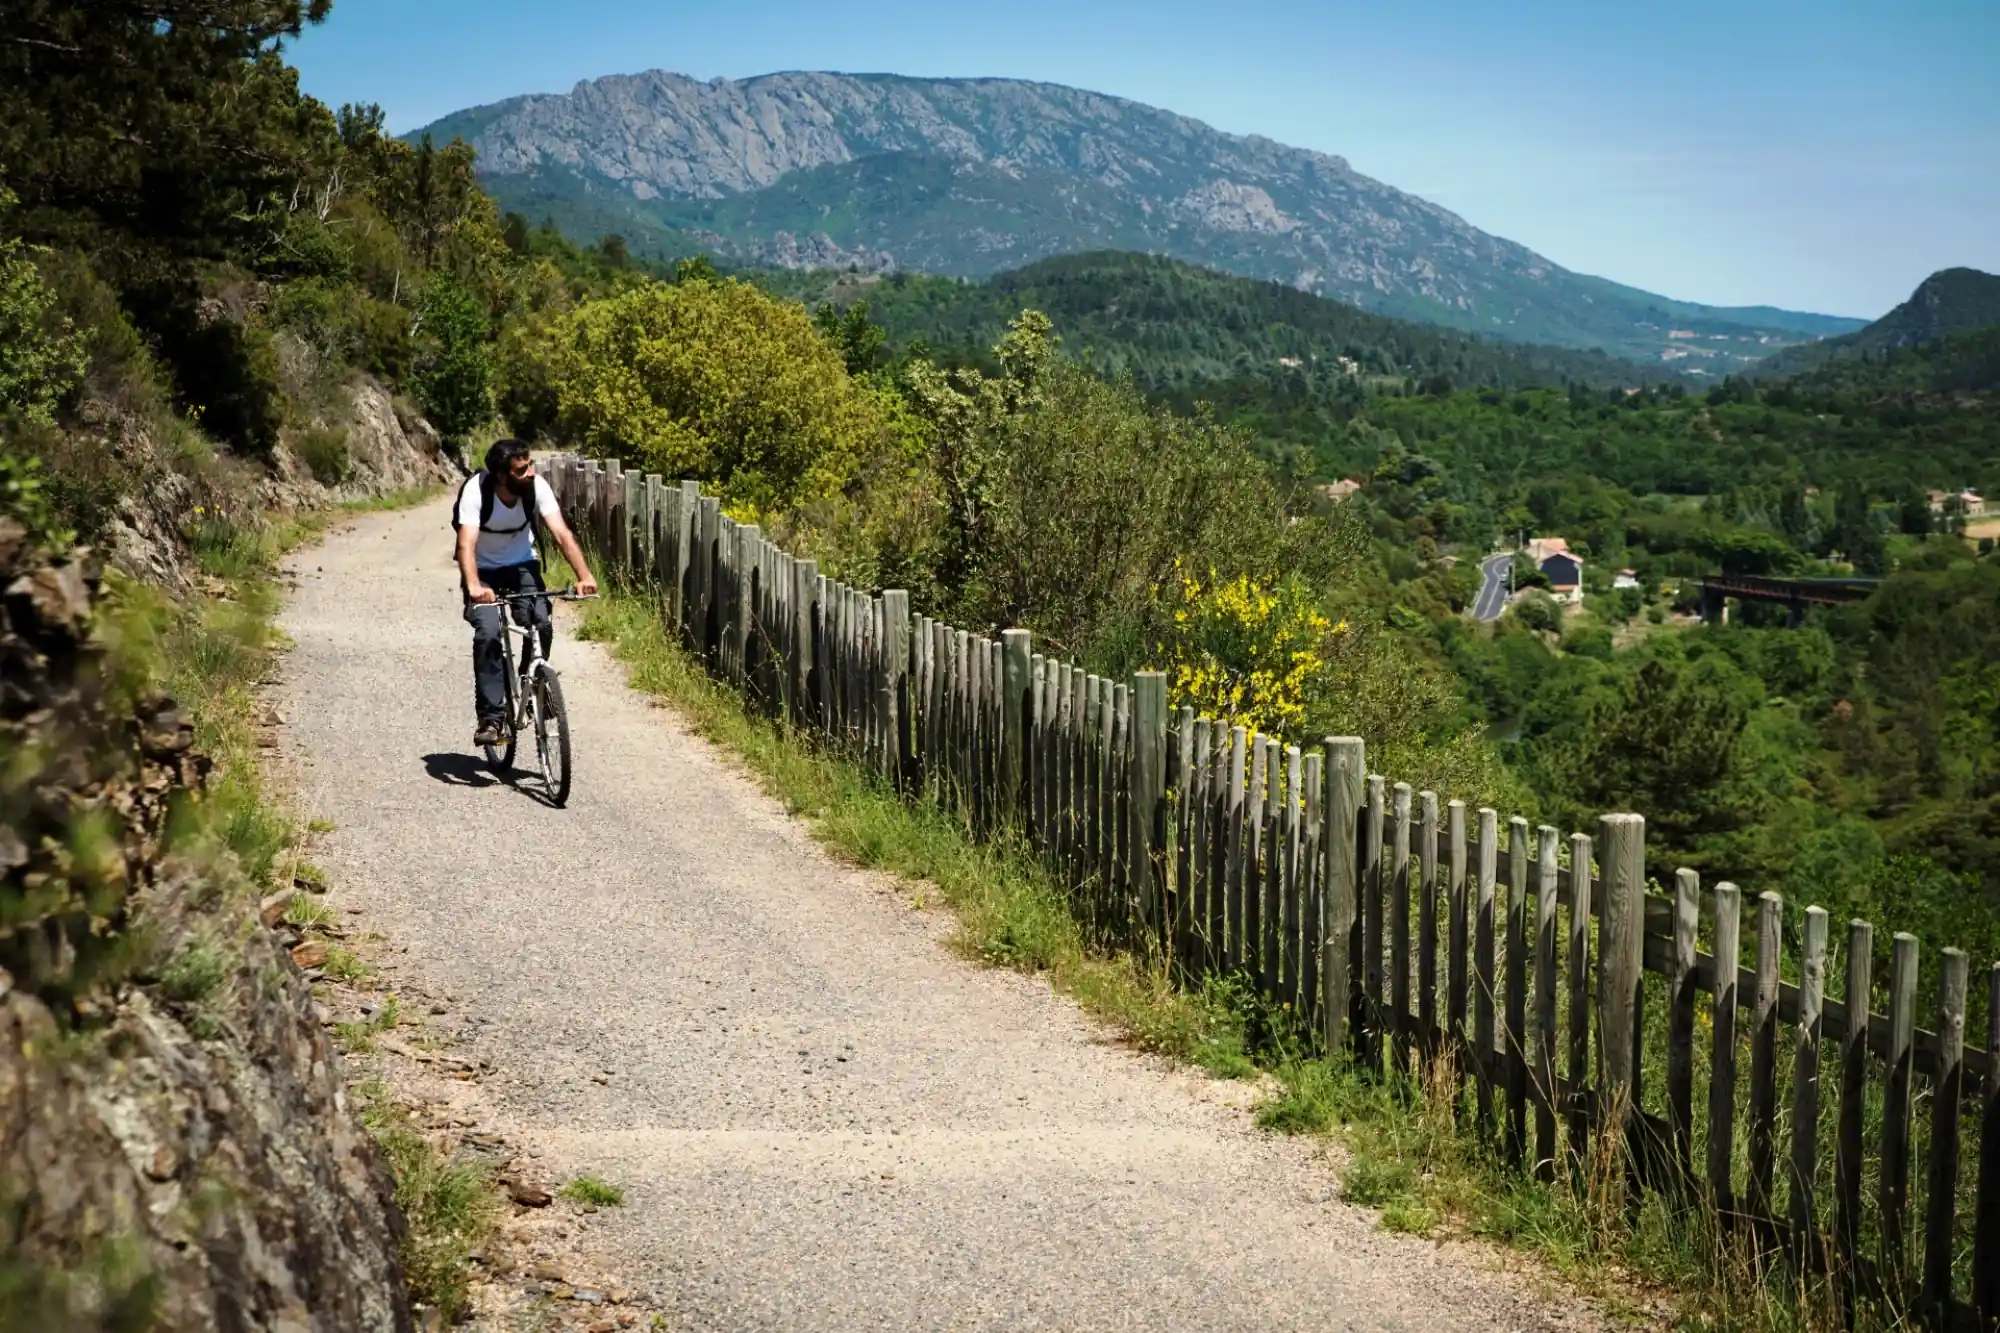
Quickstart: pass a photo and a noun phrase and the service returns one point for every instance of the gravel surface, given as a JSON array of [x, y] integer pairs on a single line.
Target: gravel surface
[[821, 1117]]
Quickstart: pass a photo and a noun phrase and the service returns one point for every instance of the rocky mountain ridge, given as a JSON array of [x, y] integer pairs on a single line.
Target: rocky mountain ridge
[[1950, 302], [972, 176]]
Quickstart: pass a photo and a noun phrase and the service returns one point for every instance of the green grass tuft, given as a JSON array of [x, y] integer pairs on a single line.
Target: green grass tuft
[[593, 1190]]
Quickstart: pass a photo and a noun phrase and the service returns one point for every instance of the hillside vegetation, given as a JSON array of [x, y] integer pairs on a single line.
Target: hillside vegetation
[[1175, 326], [1949, 302]]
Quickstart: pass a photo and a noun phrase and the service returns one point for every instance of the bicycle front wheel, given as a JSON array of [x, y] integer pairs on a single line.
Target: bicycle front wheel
[[552, 736]]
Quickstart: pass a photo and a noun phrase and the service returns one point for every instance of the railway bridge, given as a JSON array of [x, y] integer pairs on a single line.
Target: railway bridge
[[1793, 594]]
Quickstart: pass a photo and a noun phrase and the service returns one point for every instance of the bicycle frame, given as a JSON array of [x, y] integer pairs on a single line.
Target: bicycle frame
[[519, 696]]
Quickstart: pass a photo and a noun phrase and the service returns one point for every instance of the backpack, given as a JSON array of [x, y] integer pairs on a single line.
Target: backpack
[[487, 499]]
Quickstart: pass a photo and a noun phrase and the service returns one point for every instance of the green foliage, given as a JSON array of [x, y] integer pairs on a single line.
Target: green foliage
[[323, 449], [41, 358], [1537, 613], [859, 340], [449, 1209], [1666, 743], [1178, 327], [1067, 501], [110, 1289], [714, 381], [455, 368], [24, 497]]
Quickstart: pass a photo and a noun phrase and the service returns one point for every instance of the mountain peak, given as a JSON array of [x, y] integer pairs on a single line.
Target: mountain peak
[[795, 167], [1949, 302]]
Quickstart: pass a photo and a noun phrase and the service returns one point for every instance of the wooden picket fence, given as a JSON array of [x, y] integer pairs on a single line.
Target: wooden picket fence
[[1402, 929]]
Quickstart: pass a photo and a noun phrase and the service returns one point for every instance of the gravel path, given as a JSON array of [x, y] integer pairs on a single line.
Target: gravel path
[[821, 1117]]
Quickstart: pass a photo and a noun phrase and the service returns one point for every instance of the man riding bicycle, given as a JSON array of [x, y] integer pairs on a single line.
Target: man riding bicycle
[[495, 515]]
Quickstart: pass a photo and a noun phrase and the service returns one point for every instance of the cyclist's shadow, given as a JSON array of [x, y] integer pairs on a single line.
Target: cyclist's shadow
[[460, 770]]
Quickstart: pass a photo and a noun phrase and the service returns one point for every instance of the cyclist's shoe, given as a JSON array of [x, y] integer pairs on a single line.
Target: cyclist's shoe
[[487, 734]]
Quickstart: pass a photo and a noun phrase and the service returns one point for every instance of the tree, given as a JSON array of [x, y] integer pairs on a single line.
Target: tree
[[455, 367], [713, 380], [1855, 533], [859, 340], [514, 231], [163, 124], [1666, 742], [1913, 515], [1538, 612]]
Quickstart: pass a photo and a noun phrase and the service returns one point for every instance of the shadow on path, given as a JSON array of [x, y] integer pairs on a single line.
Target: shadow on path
[[460, 770]]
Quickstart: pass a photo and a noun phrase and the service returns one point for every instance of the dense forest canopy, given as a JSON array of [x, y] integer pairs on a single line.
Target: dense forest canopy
[[1175, 326]]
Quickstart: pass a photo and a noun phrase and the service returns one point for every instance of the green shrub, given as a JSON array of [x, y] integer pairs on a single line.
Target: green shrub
[[41, 357], [323, 449]]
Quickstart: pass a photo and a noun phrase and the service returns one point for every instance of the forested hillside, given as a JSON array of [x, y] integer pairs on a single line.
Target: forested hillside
[[1176, 326], [1950, 302]]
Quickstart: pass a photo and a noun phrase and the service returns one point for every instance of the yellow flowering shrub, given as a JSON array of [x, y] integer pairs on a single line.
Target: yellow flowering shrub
[[1246, 652]]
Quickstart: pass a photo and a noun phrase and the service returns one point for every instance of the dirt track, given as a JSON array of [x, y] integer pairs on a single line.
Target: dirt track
[[822, 1118]]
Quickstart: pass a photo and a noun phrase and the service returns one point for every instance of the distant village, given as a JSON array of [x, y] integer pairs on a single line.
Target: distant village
[[1562, 568]]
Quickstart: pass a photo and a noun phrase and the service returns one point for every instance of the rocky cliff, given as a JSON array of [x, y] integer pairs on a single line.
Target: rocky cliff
[[968, 176], [175, 1147]]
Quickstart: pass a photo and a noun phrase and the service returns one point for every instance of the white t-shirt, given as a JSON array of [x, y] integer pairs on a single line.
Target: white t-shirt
[[508, 537]]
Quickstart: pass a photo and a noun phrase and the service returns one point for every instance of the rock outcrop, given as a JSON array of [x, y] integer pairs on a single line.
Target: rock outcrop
[[176, 1151], [970, 176]]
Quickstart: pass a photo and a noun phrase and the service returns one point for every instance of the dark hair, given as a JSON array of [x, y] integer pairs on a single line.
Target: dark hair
[[500, 458]]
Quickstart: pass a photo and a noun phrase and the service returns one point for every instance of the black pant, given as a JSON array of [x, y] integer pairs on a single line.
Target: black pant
[[489, 663]]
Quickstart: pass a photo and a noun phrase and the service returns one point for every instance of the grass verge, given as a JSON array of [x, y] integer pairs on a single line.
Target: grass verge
[[1410, 1153], [449, 1205]]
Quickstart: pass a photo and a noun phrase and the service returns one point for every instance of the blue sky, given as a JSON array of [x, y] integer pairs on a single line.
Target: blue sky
[[1819, 156]]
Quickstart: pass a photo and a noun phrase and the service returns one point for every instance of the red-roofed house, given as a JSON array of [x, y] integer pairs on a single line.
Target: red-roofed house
[[1562, 567]]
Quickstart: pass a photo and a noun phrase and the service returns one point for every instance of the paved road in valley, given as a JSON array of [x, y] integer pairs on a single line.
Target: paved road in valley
[[822, 1116], [1492, 599]]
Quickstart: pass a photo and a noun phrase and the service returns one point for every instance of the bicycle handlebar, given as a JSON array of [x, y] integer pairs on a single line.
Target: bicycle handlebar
[[557, 594]]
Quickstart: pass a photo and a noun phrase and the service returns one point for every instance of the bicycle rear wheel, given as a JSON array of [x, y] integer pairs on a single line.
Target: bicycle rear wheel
[[552, 736]]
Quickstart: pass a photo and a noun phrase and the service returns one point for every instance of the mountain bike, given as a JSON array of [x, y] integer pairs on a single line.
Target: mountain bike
[[534, 701]]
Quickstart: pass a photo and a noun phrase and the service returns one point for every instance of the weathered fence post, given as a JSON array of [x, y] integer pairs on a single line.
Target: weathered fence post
[[1148, 793], [1578, 982], [1016, 656], [1680, 1020], [1621, 943], [1399, 928], [1896, 1088], [1853, 1099], [1947, 1087], [1483, 996], [1805, 1082], [1427, 929], [1722, 1057], [1345, 759], [1547, 876], [1764, 1058], [896, 682], [1986, 1218], [1516, 1044]]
